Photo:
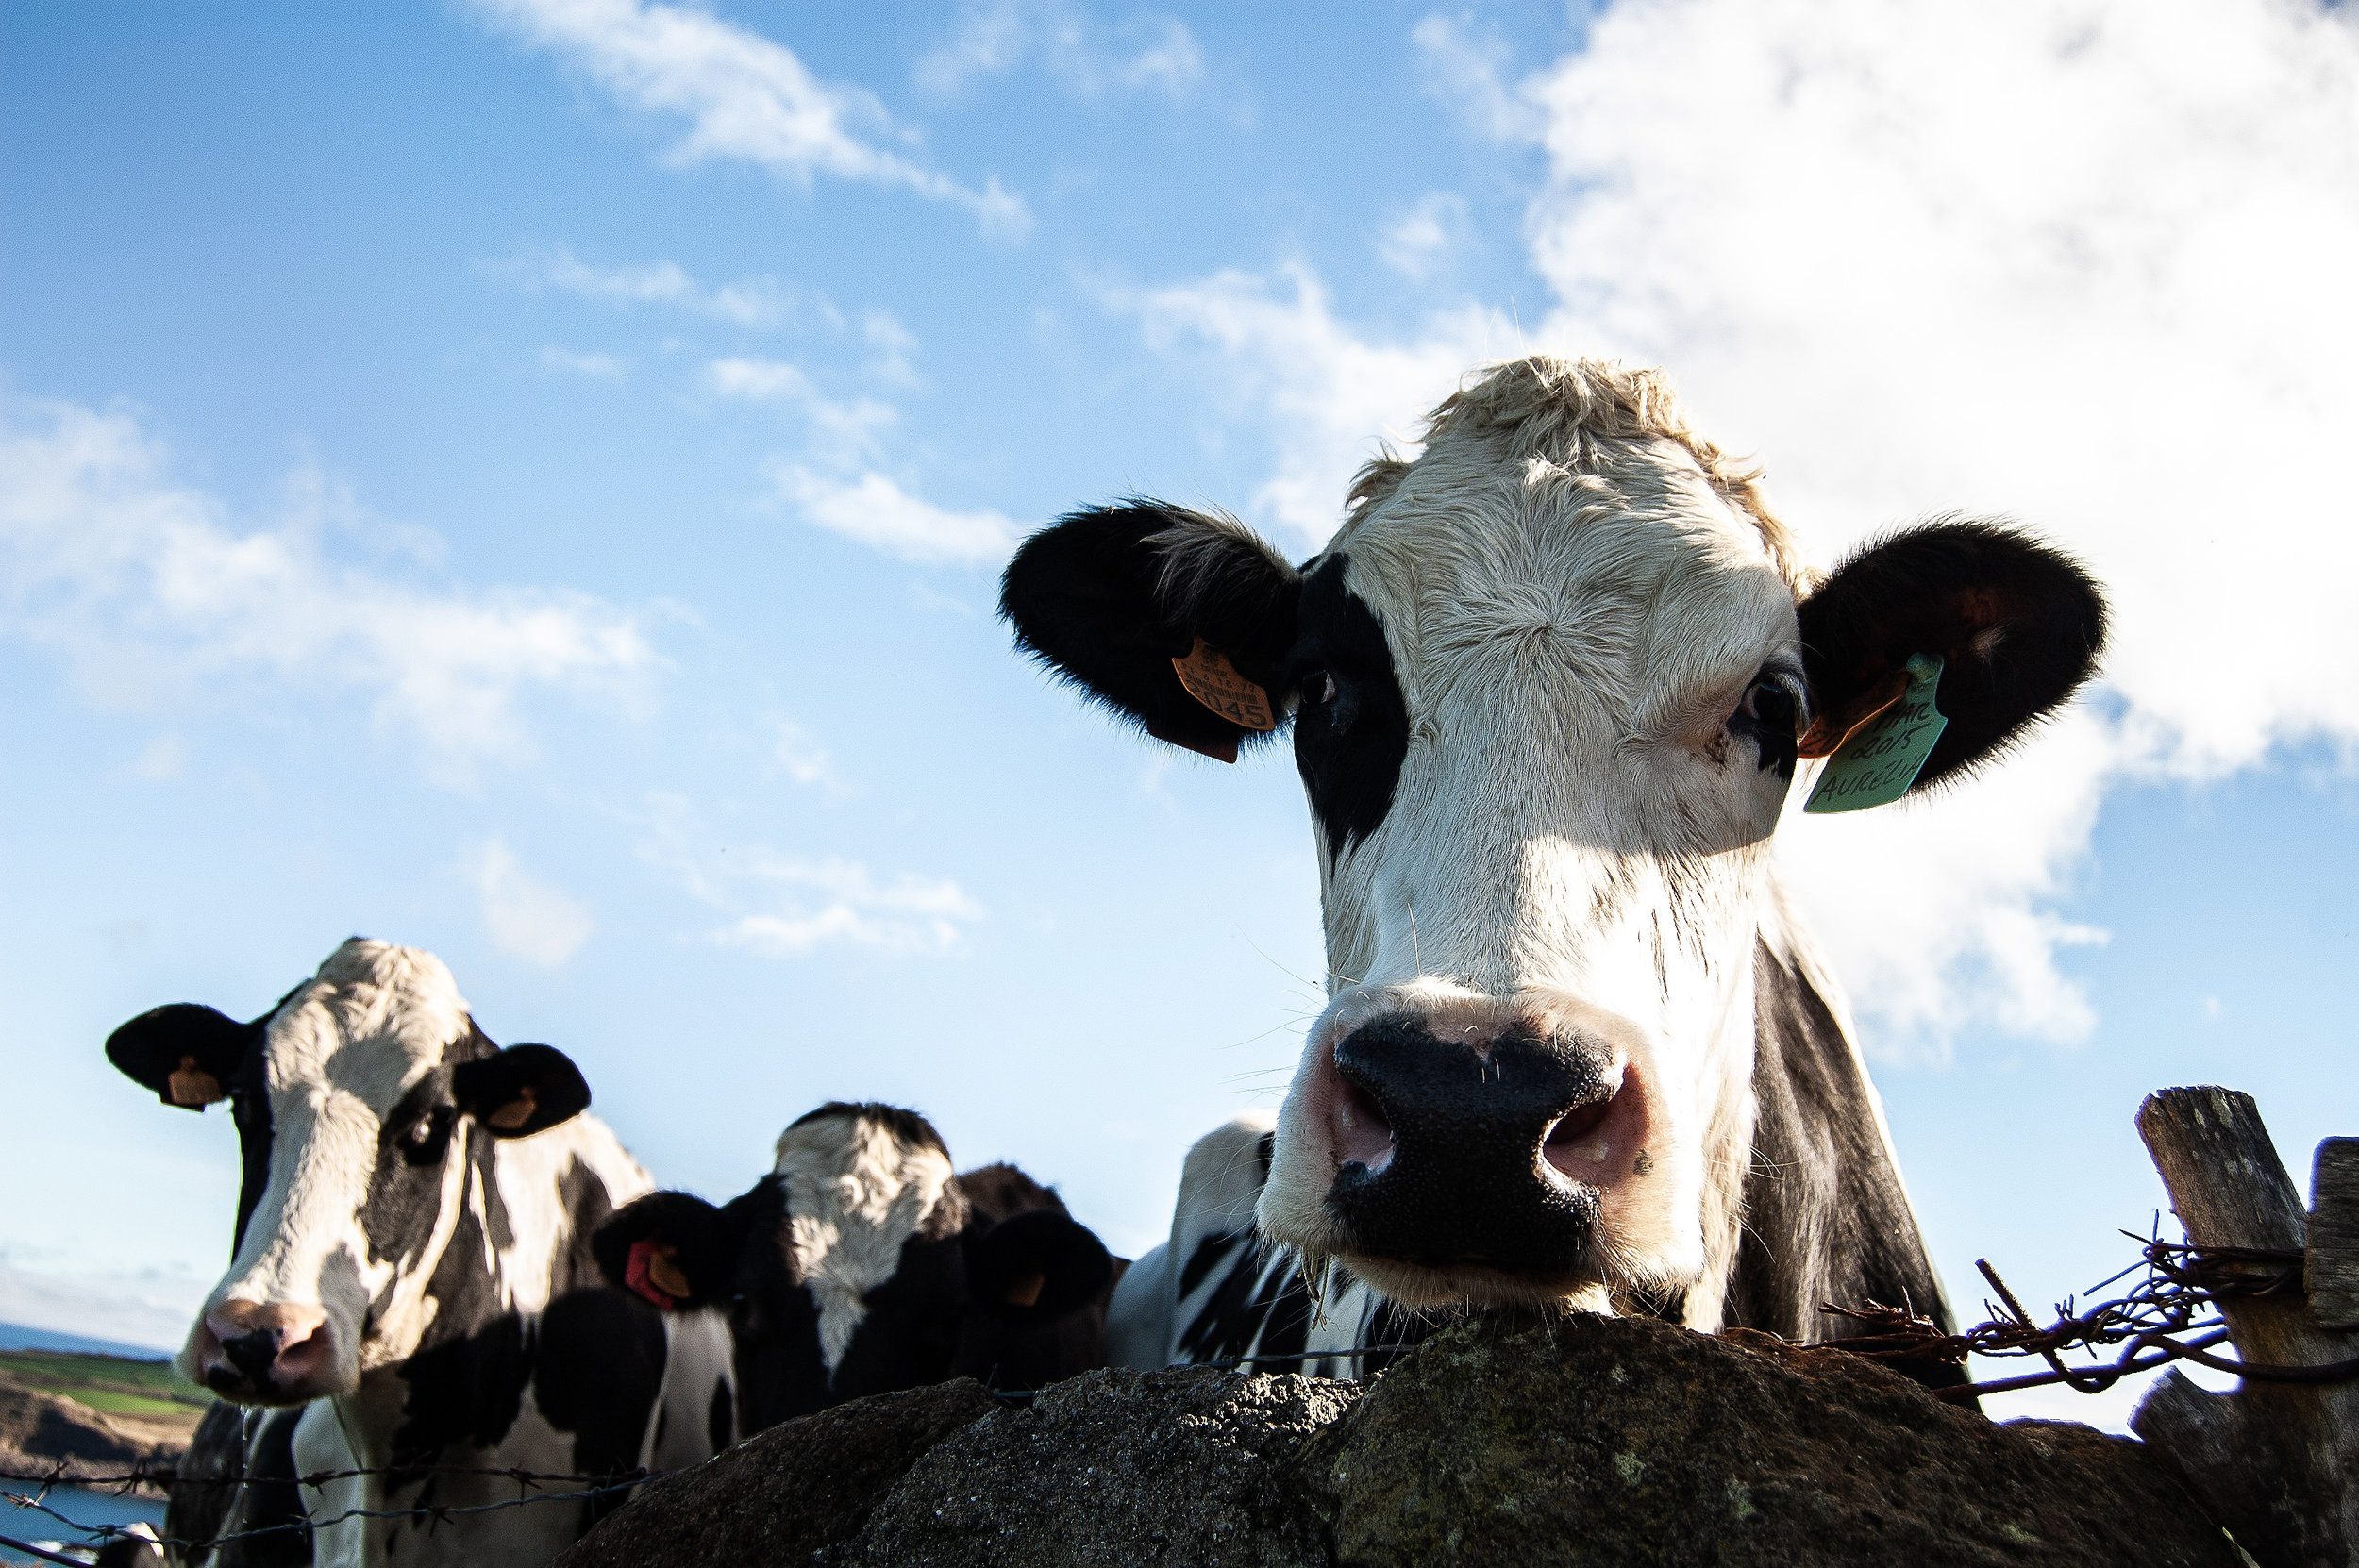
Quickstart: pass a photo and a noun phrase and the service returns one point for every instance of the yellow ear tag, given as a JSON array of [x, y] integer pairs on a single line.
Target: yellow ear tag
[[1026, 1291], [1211, 680], [1878, 762], [666, 1276], [516, 1112], [192, 1086]]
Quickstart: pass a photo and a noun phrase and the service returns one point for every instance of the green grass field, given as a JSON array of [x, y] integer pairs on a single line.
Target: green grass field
[[111, 1383]]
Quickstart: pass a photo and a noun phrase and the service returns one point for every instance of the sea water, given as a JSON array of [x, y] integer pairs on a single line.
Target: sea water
[[79, 1504]]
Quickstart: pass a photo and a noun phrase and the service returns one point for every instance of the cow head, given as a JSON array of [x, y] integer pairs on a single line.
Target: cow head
[[859, 1265], [1548, 687], [364, 1101]]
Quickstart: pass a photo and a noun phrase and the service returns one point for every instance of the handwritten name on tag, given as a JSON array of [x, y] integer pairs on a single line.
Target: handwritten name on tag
[[1878, 762]]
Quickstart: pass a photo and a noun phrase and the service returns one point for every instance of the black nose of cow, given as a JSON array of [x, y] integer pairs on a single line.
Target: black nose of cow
[[252, 1354], [1466, 1180]]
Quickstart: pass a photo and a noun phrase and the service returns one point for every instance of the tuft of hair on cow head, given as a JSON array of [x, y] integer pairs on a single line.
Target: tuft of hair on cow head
[[520, 1091], [1035, 1267], [2018, 628], [677, 1251], [1110, 597], [188, 1054]]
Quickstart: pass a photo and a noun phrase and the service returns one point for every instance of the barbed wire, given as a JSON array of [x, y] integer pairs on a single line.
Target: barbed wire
[[2170, 1315]]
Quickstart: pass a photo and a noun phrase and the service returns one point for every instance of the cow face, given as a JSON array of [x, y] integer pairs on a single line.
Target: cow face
[[1549, 685], [860, 1266], [364, 1102]]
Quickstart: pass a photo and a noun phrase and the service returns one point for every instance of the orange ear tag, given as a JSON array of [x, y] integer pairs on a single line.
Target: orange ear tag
[[1211, 679], [194, 1087], [516, 1112], [1026, 1291]]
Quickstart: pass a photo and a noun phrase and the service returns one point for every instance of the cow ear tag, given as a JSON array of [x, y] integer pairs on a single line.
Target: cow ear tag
[[194, 1087], [1211, 679], [1877, 763], [516, 1112], [653, 1276]]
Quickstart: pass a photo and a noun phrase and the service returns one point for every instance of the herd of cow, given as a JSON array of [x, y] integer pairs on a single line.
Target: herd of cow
[[1550, 688]]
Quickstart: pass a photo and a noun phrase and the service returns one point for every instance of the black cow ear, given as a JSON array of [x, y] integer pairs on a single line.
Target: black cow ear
[[1112, 597], [186, 1053], [1036, 1267], [673, 1249], [2017, 626], [520, 1091]]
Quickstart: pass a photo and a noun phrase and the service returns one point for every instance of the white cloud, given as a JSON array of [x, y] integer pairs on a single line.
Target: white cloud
[[1146, 52], [743, 95], [149, 1306], [521, 914], [1327, 395], [1468, 73], [797, 754], [783, 906], [159, 602], [2085, 263], [597, 367], [747, 302], [891, 347], [843, 429], [880, 514], [161, 760], [1418, 242]]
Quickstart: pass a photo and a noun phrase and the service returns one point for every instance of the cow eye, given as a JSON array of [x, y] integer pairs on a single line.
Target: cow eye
[[1318, 689], [1770, 704]]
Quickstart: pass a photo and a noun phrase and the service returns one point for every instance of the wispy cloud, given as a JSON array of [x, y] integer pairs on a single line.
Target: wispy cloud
[[877, 512], [1147, 52], [745, 97], [521, 914], [159, 602], [593, 366], [747, 301], [1418, 243], [1325, 394], [798, 753], [1472, 72], [842, 429], [783, 906]]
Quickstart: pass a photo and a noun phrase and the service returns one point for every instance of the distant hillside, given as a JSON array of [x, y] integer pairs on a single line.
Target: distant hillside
[[18, 1336], [99, 1410]]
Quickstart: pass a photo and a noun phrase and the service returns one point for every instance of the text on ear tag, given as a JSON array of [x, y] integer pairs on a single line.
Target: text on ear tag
[[192, 1086], [516, 1112], [1211, 680], [1878, 762]]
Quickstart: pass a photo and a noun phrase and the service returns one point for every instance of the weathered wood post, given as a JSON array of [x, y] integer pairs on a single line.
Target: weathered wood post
[[2277, 1461]]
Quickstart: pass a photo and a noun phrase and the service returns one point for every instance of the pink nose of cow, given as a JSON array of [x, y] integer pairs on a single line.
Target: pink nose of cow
[[270, 1352]]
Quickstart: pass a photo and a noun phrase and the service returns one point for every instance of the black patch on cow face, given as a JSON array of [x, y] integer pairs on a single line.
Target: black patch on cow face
[[910, 1331], [2018, 625], [1351, 727], [406, 1189], [249, 1110], [465, 1382], [597, 1367], [1111, 595], [1770, 718]]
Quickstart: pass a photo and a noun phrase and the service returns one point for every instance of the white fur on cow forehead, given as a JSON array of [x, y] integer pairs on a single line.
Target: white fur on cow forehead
[[374, 1020], [1564, 413], [856, 1191]]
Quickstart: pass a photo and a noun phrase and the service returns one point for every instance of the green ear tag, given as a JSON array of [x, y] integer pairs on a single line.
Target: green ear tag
[[1877, 763]]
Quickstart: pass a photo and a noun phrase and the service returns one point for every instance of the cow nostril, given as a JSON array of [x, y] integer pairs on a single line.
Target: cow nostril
[[1364, 1133], [1575, 1141], [252, 1354]]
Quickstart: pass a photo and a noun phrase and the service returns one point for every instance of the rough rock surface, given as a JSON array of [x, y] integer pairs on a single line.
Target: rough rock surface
[[38, 1430], [1586, 1440], [1113, 1468], [782, 1494]]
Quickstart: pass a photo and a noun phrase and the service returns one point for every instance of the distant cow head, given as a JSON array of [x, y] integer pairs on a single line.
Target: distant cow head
[[1548, 685], [860, 1266], [364, 1101]]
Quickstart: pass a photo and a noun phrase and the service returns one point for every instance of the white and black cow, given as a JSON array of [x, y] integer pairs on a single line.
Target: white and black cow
[[1549, 685], [412, 1264], [861, 1264]]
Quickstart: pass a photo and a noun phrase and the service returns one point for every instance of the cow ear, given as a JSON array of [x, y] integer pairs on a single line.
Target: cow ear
[[1036, 1267], [1112, 596], [520, 1091], [186, 1053], [673, 1249], [2017, 626]]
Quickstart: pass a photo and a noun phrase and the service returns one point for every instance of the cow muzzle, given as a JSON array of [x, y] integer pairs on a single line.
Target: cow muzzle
[[1484, 1145], [258, 1353]]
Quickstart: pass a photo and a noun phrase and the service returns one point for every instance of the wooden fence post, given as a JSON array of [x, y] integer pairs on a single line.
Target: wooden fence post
[[2277, 1462]]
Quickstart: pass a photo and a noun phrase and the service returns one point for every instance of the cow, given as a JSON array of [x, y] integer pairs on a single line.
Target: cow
[[1550, 686], [411, 1272], [861, 1264]]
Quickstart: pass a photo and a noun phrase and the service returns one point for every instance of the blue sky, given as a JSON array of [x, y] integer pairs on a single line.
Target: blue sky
[[527, 477]]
